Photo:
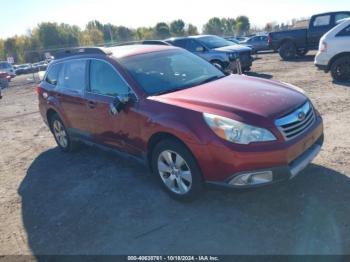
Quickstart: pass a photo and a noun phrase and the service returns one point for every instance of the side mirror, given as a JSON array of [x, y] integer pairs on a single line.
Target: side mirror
[[200, 49], [119, 104]]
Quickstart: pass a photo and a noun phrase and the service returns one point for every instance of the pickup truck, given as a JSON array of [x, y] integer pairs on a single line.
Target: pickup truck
[[290, 43]]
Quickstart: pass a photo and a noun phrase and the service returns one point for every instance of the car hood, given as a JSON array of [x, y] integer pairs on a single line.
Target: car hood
[[233, 48], [238, 96]]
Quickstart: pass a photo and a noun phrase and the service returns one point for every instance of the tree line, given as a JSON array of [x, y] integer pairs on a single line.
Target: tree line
[[48, 36]]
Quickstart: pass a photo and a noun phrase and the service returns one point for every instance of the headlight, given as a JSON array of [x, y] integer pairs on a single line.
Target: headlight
[[323, 46], [232, 56], [237, 132]]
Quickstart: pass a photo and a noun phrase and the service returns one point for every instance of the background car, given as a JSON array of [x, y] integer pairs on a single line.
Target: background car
[[298, 41], [4, 80], [217, 50], [334, 52], [8, 68], [23, 69], [257, 43]]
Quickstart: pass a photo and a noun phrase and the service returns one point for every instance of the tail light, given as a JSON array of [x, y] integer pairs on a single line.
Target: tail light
[[323, 47], [269, 39], [38, 90]]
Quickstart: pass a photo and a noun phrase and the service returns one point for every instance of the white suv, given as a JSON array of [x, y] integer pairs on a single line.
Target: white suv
[[334, 51]]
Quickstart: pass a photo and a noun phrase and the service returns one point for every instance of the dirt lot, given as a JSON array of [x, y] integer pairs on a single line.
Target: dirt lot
[[94, 202]]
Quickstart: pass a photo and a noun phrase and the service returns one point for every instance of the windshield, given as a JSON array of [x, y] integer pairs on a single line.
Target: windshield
[[214, 41], [167, 71]]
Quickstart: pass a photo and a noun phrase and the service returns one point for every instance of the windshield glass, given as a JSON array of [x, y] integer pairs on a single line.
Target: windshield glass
[[214, 41], [167, 71]]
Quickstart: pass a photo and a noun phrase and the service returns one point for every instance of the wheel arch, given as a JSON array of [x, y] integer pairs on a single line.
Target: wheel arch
[[159, 136], [334, 58]]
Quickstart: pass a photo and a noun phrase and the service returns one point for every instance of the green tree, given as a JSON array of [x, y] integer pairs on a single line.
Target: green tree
[[229, 25], [214, 27], [2, 50], [144, 33], [192, 30], [242, 25], [10, 48], [162, 30], [177, 27]]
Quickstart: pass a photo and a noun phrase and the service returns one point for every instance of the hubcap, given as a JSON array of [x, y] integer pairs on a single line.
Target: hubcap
[[343, 70], [60, 133], [174, 172]]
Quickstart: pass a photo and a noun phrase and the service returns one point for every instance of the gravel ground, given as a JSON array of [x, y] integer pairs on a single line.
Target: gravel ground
[[94, 202]]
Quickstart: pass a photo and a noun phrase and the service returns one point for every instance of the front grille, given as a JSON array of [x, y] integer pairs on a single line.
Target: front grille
[[296, 122], [245, 57]]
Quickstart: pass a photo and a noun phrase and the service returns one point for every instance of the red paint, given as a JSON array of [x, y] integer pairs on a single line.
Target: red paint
[[251, 100]]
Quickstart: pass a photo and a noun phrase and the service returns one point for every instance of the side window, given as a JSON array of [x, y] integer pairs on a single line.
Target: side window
[[72, 75], [53, 73], [104, 80], [322, 20], [180, 43], [341, 16], [344, 32], [193, 45]]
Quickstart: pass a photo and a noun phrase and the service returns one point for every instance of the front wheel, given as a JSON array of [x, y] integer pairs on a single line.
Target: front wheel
[[340, 69], [177, 170]]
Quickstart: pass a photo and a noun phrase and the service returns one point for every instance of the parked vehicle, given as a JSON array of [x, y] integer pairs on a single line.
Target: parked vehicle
[[24, 69], [257, 43], [334, 52], [4, 80], [7, 67], [299, 41], [39, 66], [189, 121], [236, 42], [216, 50]]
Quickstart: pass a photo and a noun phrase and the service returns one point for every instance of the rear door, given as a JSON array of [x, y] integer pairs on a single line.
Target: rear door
[[70, 93]]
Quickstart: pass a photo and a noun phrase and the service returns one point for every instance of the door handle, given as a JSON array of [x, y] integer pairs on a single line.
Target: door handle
[[91, 104]]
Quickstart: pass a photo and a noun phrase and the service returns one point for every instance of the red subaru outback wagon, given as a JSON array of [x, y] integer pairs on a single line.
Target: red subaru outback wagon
[[190, 122]]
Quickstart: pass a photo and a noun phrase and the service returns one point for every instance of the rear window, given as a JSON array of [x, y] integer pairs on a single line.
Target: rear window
[[322, 20], [5, 65], [344, 32], [339, 17]]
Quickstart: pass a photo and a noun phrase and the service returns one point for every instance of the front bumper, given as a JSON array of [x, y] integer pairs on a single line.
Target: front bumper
[[277, 173]]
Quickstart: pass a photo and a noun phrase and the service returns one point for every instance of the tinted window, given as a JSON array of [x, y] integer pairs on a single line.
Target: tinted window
[[72, 75], [169, 70], [193, 45], [180, 43], [340, 17], [104, 80], [214, 41], [344, 32], [53, 73], [322, 20]]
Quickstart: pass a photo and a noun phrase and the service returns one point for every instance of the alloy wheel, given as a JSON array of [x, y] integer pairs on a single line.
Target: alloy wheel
[[60, 133], [174, 172]]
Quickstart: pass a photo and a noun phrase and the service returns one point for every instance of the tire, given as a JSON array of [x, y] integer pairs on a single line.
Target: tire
[[218, 64], [287, 50], [302, 52], [61, 135], [340, 69], [176, 170]]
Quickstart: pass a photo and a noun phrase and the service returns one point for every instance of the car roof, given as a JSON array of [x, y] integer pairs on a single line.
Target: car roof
[[131, 50], [187, 37]]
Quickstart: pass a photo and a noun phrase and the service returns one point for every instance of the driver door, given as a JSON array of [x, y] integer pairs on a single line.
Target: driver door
[[105, 84]]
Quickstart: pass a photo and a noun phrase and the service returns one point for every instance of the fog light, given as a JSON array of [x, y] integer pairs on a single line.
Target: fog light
[[250, 179]]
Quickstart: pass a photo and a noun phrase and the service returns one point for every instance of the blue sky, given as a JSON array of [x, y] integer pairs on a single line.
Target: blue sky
[[17, 16]]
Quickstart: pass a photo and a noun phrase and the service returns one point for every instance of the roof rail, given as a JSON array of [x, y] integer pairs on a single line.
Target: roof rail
[[144, 42], [82, 51]]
